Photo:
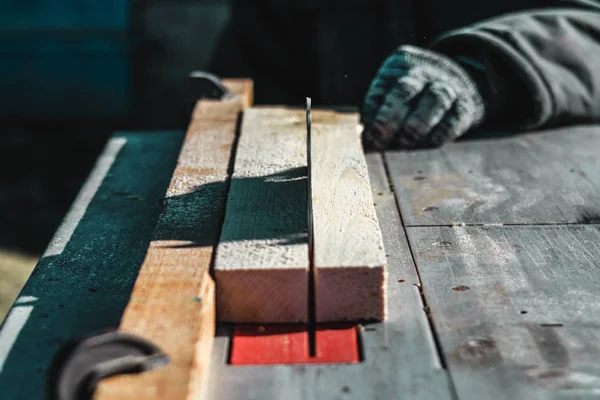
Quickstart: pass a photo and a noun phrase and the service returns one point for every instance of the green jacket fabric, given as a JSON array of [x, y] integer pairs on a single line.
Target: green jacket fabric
[[331, 49]]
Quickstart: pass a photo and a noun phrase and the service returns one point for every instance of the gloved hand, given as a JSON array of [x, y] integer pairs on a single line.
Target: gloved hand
[[420, 98]]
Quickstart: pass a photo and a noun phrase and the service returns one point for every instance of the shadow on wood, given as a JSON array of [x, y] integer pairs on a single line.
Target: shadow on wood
[[288, 188]]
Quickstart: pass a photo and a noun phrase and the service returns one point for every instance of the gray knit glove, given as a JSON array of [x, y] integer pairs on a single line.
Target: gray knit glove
[[419, 98]]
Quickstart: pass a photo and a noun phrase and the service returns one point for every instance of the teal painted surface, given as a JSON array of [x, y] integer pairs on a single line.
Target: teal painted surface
[[63, 14], [83, 283], [64, 59], [57, 76]]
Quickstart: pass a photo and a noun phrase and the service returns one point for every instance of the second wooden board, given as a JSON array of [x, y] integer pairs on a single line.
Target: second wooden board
[[349, 260], [261, 270]]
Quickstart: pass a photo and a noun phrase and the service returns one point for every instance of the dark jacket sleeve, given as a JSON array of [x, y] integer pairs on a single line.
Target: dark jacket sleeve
[[553, 54]]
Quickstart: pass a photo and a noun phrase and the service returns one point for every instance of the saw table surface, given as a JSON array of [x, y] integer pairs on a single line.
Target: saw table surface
[[493, 247]]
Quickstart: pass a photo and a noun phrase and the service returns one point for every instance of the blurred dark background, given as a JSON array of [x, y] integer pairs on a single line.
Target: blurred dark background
[[71, 73]]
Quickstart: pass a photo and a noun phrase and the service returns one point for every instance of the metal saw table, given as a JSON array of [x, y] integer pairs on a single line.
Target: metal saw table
[[494, 274]]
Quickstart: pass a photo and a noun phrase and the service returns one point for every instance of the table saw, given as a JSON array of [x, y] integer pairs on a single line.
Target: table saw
[[493, 276]]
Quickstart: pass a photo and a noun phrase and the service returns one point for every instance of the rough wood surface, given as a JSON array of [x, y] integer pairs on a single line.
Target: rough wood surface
[[243, 88], [516, 309], [400, 357], [349, 259], [172, 303], [535, 178], [262, 266]]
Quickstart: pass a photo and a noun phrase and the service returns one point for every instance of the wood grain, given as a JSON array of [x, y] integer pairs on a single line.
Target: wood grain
[[172, 303], [384, 372], [516, 309], [262, 265], [534, 178], [349, 259], [243, 88]]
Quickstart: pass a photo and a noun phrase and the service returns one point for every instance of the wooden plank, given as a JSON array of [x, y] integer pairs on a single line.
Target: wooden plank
[[243, 88], [172, 303], [262, 266], [349, 260], [400, 358], [534, 178], [516, 309]]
